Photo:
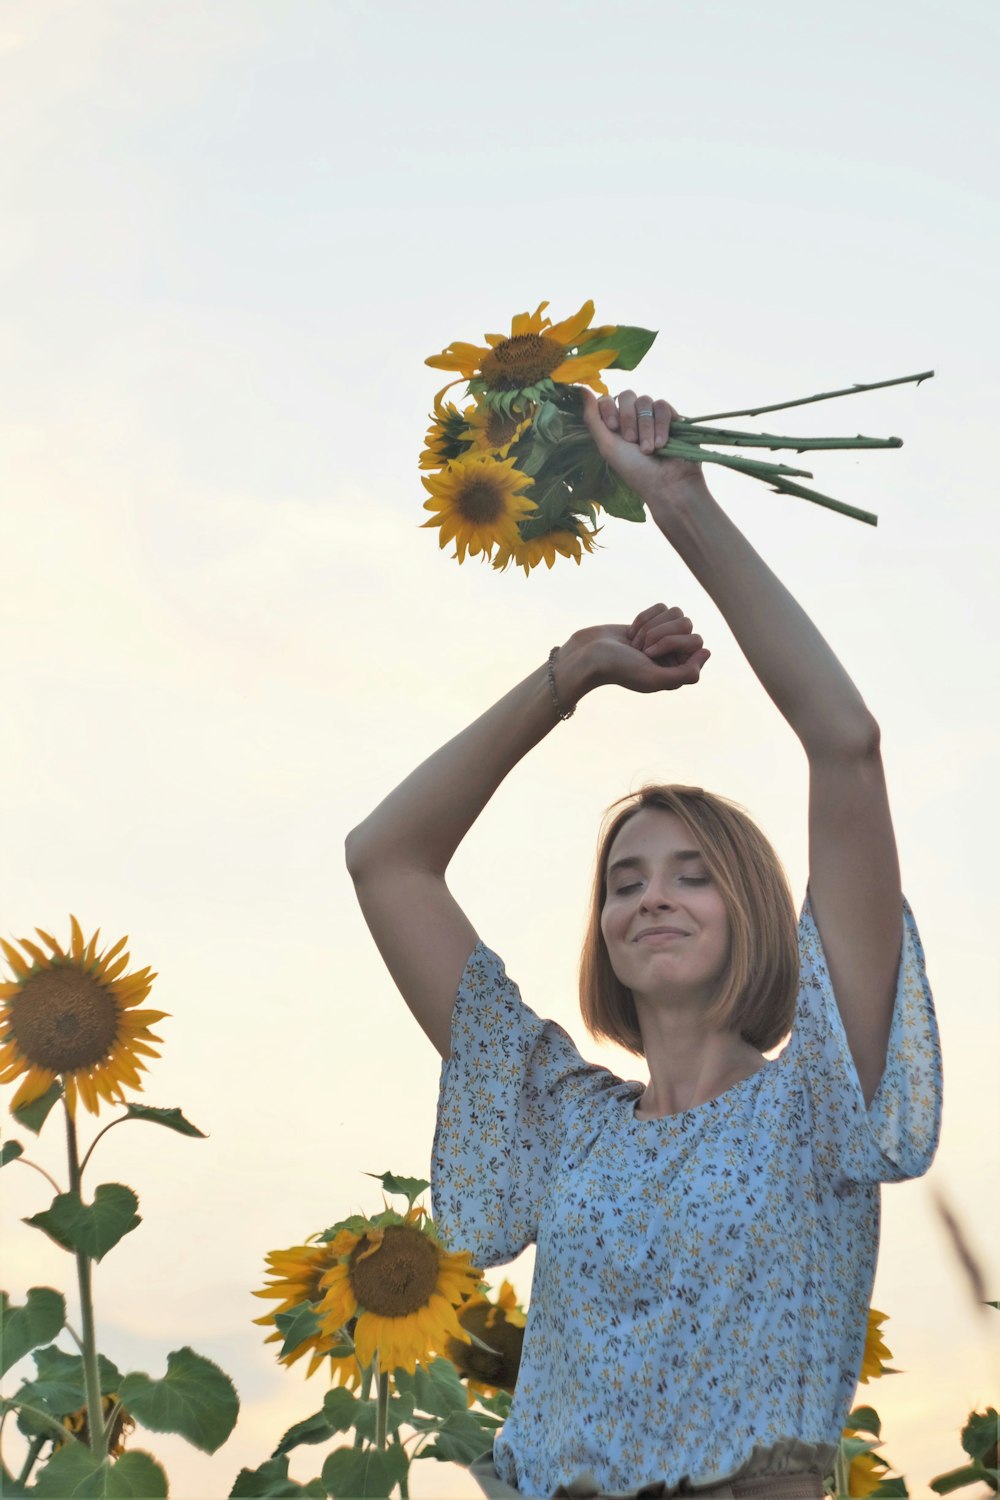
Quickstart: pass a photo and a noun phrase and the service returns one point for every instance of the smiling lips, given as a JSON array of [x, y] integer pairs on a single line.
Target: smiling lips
[[660, 932]]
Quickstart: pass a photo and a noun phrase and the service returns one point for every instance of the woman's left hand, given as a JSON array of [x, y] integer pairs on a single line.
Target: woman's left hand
[[626, 431]]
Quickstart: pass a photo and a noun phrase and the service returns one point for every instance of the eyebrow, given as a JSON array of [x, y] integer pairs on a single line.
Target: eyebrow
[[634, 861]]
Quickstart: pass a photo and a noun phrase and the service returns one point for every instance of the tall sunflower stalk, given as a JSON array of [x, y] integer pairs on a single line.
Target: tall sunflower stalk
[[72, 1031], [515, 477], [388, 1311]]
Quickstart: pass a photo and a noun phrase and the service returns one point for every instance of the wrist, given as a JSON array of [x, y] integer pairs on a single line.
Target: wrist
[[574, 673]]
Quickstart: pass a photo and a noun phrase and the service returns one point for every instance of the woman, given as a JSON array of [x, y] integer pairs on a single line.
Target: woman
[[706, 1242]]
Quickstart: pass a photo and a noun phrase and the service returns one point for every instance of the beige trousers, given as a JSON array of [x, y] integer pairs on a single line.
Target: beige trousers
[[787, 1486]]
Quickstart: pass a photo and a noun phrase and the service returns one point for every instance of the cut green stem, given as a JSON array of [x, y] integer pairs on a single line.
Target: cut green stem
[[727, 437], [849, 390]]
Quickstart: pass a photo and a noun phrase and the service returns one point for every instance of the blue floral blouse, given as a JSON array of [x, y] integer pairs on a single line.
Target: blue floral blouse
[[702, 1281]]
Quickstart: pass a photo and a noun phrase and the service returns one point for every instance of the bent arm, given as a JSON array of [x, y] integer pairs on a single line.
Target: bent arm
[[853, 867], [399, 855]]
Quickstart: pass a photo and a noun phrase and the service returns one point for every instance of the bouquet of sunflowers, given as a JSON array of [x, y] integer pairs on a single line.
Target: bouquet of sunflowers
[[515, 475]]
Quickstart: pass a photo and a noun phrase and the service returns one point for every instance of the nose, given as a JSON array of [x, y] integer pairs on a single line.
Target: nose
[[656, 897]]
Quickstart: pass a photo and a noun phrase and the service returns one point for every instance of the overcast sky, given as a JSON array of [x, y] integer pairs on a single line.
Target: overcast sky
[[232, 233]]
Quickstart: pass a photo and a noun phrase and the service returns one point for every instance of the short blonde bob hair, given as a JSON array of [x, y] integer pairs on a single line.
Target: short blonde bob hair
[[760, 983]]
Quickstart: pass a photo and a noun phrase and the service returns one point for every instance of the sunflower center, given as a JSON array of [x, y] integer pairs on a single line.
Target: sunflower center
[[521, 361], [63, 1019], [398, 1277], [500, 429], [497, 1365], [480, 501]]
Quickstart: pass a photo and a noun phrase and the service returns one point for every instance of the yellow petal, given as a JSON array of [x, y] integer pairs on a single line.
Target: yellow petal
[[568, 332]]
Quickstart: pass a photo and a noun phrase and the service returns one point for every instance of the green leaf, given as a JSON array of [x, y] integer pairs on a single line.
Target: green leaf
[[195, 1399], [299, 1324], [866, 1419], [410, 1187], [92, 1228], [314, 1429], [10, 1488], [33, 1116], [981, 1433], [353, 1473], [74, 1471], [887, 1488], [398, 1414], [438, 1389], [10, 1151], [23, 1328], [271, 1480], [340, 1407], [59, 1386], [171, 1118], [621, 501], [631, 345], [463, 1437], [993, 1304]]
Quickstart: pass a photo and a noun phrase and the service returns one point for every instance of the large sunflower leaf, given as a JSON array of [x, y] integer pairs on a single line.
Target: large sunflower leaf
[[353, 1473], [75, 1473], [33, 1116], [887, 1487], [195, 1399], [410, 1187], [271, 1482], [630, 345], [435, 1388], [340, 1407], [91, 1228], [59, 1386], [171, 1118], [24, 1328]]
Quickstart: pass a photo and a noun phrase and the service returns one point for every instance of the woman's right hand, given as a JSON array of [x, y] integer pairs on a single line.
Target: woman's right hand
[[657, 653]]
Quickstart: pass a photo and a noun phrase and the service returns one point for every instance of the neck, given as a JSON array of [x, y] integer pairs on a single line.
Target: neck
[[687, 1067]]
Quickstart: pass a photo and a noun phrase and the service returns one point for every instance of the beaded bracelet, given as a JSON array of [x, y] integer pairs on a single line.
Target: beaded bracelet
[[552, 686]]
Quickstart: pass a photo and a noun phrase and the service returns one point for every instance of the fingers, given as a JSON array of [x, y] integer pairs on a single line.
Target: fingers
[[667, 677], [638, 631], [638, 419]]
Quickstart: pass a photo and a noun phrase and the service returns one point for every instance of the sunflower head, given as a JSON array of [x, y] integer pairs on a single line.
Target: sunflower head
[[72, 1014], [498, 1324], [876, 1351], [296, 1281], [448, 436], [77, 1424], [478, 501], [527, 553], [536, 354], [403, 1287]]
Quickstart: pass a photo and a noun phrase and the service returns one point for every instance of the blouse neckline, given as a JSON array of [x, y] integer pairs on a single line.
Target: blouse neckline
[[636, 1090]]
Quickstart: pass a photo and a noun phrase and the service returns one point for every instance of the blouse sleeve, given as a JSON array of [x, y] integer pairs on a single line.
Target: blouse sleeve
[[896, 1136], [514, 1094]]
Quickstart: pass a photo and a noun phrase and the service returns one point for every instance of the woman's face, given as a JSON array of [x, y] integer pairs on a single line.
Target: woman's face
[[663, 920]]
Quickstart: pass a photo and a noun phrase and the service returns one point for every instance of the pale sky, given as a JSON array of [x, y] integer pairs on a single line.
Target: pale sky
[[232, 233]]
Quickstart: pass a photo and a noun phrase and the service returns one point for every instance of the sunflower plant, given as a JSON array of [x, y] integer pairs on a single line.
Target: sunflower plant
[[515, 476], [387, 1309], [73, 1031]]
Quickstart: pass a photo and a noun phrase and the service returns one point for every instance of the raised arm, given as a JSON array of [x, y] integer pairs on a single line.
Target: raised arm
[[399, 854], [853, 868]]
